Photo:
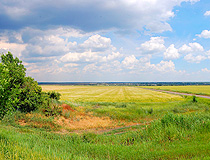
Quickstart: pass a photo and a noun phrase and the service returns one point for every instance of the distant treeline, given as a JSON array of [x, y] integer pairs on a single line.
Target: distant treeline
[[126, 83]]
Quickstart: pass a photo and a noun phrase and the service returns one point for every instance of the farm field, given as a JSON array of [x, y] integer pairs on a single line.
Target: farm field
[[110, 122], [201, 90], [110, 94]]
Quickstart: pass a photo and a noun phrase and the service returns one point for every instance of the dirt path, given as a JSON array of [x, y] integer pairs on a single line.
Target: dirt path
[[178, 93]]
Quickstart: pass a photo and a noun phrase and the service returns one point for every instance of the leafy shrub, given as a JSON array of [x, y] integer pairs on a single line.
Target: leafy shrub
[[18, 92], [150, 111], [50, 107], [53, 110], [54, 95], [194, 99], [30, 95], [12, 75]]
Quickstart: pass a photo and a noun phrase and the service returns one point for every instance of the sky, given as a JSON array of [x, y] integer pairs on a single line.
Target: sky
[[109, 40]]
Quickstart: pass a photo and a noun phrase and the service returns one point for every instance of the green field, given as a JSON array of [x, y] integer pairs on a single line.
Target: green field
[[110, 94], [111, 122], [202, 90]]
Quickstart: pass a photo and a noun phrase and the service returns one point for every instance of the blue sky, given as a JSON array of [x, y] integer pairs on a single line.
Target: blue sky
[[109, 40]]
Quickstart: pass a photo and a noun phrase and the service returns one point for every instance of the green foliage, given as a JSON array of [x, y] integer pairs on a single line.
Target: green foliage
[[12, 75], [30, 96], [54, 95], [52, 110], [50, 107], [194, 99], [18, 92]]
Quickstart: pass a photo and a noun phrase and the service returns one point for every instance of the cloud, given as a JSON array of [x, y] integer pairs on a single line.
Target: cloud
[[154, 45], [15, 48], [205, 70], [15, 12], [95, 49], [185, 49], [92, 15], [90, 68], [204, 33], [31, 44], [196, 47], [195, 52], [191, 48], [130, 62], [171, 53], [89, 56], [112, 56], [97, 43], [165, 66], [207, 13], [144, 65], [194, 59], [207, 53]]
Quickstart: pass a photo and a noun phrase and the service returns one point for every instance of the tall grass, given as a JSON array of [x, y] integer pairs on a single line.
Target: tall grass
[[160, 140]]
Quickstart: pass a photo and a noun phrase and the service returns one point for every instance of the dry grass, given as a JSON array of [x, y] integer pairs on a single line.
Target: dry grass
[[86, 122], [76, 121], [109, 94]]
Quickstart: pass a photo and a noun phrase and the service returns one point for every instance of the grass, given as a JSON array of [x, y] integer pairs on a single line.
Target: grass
[[109, 94], [173, 136], [202, 90], [103, 125]]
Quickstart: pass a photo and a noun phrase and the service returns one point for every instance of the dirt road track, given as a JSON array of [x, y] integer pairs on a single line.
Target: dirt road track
[[178, 93]]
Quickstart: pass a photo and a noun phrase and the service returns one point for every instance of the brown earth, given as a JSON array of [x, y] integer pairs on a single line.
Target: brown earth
[[75, 120], [66, 107]]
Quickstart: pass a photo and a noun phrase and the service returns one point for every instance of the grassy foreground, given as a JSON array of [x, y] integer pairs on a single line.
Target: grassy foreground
[[168, 127], [172, 137]]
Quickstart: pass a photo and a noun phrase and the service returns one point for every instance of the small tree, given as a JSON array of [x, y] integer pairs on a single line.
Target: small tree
[[30, 97], [12, 74], [17, 92]]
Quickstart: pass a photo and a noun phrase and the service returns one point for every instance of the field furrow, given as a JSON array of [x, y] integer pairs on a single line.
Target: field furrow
[[110, 94]]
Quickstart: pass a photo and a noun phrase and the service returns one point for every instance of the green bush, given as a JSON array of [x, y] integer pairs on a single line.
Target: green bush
[[54, 95], [12, 75], [30, 95], [18, 92]]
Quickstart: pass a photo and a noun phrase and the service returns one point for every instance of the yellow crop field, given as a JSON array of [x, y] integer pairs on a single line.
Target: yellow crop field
[[110, 94], [204, 90]]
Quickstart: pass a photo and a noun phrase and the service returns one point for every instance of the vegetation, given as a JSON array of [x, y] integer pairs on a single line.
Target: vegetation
[[172, 137], [18, 92], [198, 89], [110, 94], [97, 122]]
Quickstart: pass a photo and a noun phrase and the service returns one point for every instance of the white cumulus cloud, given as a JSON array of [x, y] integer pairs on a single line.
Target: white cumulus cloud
[[171, 53], [97, 43], [204, 34], [165, 66], [207, 13], [130, 62], [191, 48], [154, 45], [194, 59]]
